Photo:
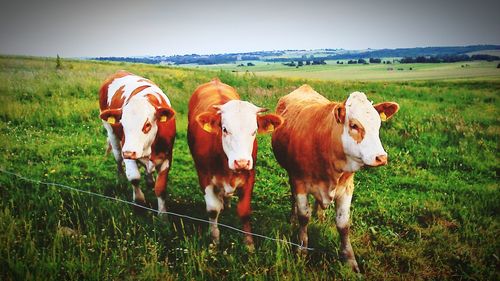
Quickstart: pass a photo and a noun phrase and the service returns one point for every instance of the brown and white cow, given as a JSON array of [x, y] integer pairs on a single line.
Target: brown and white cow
[[321, 144], [141, 129], [221, 135]]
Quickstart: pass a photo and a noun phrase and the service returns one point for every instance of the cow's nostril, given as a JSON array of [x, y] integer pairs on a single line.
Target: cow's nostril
[[381, 160]]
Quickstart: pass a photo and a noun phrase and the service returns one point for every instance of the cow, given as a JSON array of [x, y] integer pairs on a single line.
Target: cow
[[140, 124], [222, 139], [321, 144]]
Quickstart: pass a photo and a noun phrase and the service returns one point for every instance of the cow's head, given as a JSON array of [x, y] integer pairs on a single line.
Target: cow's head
[[140, 119], [361, 124], [238, 122]]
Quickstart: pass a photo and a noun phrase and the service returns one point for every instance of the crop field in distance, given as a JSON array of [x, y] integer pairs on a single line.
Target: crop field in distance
[[371, 72], [430, 214]]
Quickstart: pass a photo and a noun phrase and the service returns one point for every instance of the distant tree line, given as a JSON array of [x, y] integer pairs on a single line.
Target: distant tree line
[[306, 62], [447, 58]]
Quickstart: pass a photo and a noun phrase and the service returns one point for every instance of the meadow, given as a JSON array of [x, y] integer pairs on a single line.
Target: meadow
[[431, 214], [372, 72]]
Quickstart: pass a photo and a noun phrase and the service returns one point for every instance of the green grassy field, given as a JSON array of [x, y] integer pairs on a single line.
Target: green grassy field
[[373, 72], [431, 214]]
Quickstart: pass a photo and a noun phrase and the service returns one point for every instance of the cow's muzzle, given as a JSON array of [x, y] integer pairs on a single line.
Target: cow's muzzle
[[129, 155]]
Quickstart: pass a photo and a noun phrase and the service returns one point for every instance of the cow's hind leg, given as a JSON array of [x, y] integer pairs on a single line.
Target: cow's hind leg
[[214, 205], [343, 205]]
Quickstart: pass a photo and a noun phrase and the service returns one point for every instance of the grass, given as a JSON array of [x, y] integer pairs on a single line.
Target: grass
[[431, 214]]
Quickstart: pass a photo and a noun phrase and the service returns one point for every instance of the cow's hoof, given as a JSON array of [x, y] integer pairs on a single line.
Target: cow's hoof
[[302, 251], [354, 265], [250, 248]]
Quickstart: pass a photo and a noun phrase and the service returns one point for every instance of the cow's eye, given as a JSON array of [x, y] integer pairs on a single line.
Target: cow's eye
[[354, 126], [147, 127], [224, 130]]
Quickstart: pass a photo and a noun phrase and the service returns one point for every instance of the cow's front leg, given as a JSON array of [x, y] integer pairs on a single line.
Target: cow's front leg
[[134, 176], [161, 185], [343, 206], [214, 205], [244, 212], [304, 214]]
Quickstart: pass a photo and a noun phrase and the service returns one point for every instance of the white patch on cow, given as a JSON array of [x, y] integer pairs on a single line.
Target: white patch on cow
[[132, 82], [134, 115], [364, 153], [302, 204], [343, 206], [131, 170], [212, 199], [239, 128], [113, 141], [228, 189], [148, 164], [165, 165], [161, 205]]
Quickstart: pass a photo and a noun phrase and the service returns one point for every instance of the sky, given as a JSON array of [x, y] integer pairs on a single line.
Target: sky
[[91, 28]]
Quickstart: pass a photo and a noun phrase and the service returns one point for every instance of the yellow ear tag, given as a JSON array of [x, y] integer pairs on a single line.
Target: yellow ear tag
[[270, 128], [111, 120], [383, 117], [163, 118], [207, 127]]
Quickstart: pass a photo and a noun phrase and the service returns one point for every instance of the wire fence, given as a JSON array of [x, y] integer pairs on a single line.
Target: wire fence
[[153, 210]]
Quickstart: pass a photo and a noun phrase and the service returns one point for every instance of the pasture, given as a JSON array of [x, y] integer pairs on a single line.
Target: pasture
[[372, 72], [430, 214]]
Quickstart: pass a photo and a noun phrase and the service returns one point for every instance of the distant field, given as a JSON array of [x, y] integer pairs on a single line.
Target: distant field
[[431, 214], [372, 72]]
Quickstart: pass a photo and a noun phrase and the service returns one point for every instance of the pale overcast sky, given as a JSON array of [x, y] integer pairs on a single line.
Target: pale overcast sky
[[77, 28]]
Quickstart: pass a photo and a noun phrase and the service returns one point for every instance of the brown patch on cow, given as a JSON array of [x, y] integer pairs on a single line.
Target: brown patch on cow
[[136, 91], [118, 99], [356, 130], [103, 91]]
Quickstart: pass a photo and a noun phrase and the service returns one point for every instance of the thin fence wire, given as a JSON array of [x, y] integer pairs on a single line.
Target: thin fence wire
[[153, 210]]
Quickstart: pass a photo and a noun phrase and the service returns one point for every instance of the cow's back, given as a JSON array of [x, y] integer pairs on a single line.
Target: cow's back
[[303, 144], [209, 94]]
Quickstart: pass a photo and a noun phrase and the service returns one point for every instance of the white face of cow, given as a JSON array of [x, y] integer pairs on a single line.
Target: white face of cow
[[360, 137], [239, 128], [139, 128]]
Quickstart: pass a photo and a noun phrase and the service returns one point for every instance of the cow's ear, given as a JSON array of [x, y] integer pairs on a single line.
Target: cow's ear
[[112, 116], [209, 121], [386, 109], [269, 122], [163, 114], [339, 112]]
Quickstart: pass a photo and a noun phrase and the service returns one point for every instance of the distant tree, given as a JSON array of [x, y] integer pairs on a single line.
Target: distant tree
[[362, 61], [58, 62], [375, 60], [308, 62], [388, 62], [352, 62], [300, 63], [250, 64], [498, 66]]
